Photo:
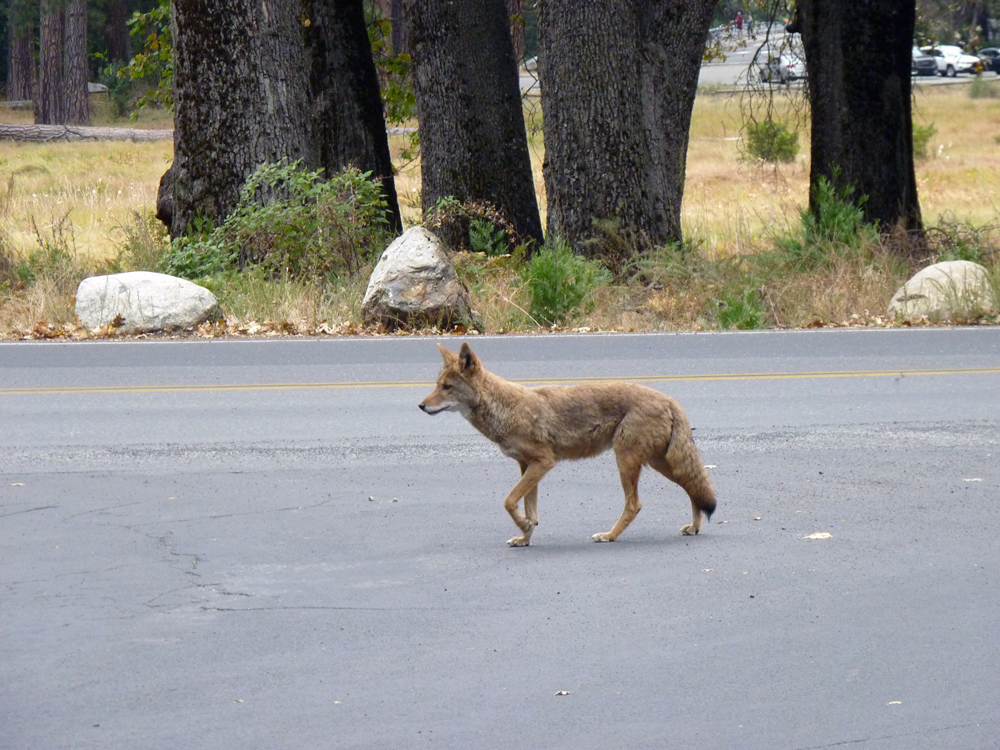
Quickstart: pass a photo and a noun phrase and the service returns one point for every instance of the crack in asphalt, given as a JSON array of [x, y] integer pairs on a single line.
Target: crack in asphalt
[[28, 510], [919, 733]]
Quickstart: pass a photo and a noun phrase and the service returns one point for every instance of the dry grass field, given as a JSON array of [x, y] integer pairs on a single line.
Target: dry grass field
[[86, 196]]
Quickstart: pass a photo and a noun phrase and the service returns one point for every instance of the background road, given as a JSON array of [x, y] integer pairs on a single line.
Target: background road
[[265, 544]]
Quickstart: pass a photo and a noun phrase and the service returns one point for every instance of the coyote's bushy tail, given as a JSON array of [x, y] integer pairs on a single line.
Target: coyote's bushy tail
[[686, 465]]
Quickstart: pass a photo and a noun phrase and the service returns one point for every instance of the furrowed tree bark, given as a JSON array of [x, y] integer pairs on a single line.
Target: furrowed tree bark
[[473, 141], [858, 61], [263, 80], [77, 101], [22, 17], [618, 83], [49, 101], [233, 109]]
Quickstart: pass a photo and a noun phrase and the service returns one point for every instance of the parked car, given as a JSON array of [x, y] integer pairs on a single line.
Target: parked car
[[783, 67], [991, 59], [923, 65], [952, 60]]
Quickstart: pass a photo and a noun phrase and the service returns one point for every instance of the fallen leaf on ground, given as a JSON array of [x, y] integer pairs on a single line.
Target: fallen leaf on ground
[[819, 535]]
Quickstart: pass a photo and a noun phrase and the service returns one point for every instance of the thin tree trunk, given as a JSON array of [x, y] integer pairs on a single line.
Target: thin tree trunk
[[21, 58], [77, 103], [473, 140], [515, 17], [398, 27], [618, 83], [49, 101], [858, 60], [116, 31]]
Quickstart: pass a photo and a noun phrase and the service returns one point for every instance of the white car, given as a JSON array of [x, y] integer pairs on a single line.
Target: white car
[[783, 67], [952, 60]]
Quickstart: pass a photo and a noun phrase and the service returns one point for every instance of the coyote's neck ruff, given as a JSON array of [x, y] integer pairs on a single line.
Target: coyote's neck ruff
[[538, 427]]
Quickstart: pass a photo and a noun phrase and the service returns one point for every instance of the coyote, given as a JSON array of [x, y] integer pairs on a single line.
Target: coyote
[[539, 426]]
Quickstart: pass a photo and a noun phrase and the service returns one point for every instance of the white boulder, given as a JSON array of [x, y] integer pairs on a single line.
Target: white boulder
[[143, 302], [951, 291], [415, 284]]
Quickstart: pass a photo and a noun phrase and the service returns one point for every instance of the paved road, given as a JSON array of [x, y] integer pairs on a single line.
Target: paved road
[[189, 556]]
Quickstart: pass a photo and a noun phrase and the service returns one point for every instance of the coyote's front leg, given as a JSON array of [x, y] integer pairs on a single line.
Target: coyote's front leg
[[527, 487]]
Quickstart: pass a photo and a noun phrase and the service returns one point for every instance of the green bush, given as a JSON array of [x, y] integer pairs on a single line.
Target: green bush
[[771, 141], [922, 135], [292, 222], [487, 237], [837, 228], [561, 282], [744, 311], [958, 240]]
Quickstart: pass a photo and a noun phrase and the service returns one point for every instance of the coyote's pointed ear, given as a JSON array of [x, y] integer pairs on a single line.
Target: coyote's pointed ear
[[468, 362], [447, 355]]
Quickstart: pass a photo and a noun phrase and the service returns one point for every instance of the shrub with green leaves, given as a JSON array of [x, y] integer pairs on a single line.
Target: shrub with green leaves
[[771, 141], [561, 282], [743, 311], [292, 222], [922, 135], [487, 237], [837, 228]]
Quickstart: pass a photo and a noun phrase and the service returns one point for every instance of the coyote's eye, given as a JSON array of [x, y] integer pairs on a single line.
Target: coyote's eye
[[446, 387]]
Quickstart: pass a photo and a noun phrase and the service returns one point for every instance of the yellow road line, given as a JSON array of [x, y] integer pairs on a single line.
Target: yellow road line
[[70, 390]]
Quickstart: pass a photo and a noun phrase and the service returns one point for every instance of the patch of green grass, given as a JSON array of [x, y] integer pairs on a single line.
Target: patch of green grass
[[561, 282]]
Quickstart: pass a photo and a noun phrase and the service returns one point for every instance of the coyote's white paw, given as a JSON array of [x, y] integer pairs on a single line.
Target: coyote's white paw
[[604, 536], [689, 530], [519, 541]]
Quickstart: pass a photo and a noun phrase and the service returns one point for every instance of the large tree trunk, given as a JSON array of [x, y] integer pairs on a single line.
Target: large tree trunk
[[22, 17], [232, 112], [858, 60], [77, 108], [255, 81], [49, 101], [618, 84], [347, 122], [473, 142]]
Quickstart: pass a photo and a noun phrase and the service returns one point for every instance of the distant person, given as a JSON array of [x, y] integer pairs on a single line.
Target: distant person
[[739, 23], [749, 25]]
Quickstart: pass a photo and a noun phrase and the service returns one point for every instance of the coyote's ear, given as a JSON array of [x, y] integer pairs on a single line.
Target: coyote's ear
[[468, 362], [447, 355]]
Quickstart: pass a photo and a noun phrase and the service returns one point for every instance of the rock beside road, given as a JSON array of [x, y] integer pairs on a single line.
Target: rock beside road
[[415, 284], [951, 291], [143, 302]]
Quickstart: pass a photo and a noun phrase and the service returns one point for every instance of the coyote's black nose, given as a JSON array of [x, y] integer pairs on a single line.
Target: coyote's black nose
[[422, 407]]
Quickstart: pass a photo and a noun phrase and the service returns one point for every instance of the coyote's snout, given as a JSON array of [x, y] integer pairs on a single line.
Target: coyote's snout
[[538, 427]]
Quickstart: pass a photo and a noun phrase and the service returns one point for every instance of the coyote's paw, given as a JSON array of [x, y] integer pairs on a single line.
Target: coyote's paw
[[519, 541], [604, 536], [690, 529]]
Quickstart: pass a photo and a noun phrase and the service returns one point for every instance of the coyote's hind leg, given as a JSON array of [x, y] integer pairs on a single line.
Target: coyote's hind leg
[[629, 471]]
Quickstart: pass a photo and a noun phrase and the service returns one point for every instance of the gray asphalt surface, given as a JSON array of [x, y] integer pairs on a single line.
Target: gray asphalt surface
[[189, 556]]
